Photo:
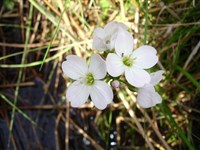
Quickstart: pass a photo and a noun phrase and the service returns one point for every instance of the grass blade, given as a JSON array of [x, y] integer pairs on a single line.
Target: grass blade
[[53, 36], [189, 76], [17, 109], [146, 22], [21, 69], [175, 126]]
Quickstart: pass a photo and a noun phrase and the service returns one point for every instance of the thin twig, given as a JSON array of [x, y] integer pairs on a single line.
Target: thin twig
[[20, 73], [81, 131], [56, 131], [33, 45], [132, 114], [15, 84], [52, 8], [67, 126], [156, 130]]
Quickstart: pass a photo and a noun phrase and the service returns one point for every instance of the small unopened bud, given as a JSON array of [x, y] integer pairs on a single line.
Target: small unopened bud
[[115, 84]]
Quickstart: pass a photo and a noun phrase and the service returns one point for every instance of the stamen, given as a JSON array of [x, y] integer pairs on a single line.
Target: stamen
[[89, 79], [127, 61]]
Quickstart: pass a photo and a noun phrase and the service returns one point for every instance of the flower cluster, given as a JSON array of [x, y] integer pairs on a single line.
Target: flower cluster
[[117, 43]]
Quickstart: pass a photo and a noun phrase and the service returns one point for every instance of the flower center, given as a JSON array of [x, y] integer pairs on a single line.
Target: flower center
[[127, 61], [89, 79], [107, 41]]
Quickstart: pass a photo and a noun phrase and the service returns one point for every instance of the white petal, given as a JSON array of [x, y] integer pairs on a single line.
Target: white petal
[[101, 94], [100, 33], [97, 67], [148, 97], [137, 77], [156, 77], [99, 36], [74, 67], [145, 58], [113, 27], [99, 44], [144, 49], [122, 26], [144, 97], [77, 93], [112, 41], [104, 39], [156, 98], [110, 28], [124, 43], [114, 65]]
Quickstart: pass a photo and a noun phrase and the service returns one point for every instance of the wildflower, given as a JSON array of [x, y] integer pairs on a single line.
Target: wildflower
[[87, 81], [147, 96], [131, 62], [104, 38]]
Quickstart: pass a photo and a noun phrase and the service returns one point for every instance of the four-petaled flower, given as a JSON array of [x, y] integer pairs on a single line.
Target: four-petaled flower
[[104, 38], [131, 62], [88, 81], [147, 96]]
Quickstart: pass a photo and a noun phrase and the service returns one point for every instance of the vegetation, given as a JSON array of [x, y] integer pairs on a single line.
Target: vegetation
[[35, 38]]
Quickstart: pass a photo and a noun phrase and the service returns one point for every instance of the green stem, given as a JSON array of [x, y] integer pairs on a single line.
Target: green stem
[[146, 22], [21, 70]]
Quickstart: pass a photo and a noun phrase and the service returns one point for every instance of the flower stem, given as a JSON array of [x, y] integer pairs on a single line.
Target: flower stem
[[146, 22]]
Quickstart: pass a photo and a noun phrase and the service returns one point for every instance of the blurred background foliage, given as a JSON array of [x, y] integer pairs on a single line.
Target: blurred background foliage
[[37, 35]]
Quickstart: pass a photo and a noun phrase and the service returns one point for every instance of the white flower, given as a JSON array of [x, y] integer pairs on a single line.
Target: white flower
[[131, 62], [104, 38], [87, 82], [147, 96]]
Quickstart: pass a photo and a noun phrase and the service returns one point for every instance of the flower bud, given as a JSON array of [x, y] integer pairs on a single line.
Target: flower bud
[[115, 84]]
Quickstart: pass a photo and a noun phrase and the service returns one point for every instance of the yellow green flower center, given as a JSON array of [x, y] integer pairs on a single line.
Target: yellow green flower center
[[89, 79], [107, 41], [127, 61]]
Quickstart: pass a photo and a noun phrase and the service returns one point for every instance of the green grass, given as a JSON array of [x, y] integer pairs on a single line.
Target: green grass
[[17, 109], [53, 36], [20, 71], [178, 132]]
